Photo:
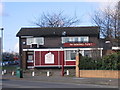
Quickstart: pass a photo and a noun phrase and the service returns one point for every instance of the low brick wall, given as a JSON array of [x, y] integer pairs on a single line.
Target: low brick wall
[[100, 73]]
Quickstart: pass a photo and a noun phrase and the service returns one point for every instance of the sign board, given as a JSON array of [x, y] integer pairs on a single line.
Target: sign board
[[49, 58], [78, 44]]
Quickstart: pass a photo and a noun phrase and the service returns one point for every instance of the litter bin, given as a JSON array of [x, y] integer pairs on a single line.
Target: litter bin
[[19, 72]]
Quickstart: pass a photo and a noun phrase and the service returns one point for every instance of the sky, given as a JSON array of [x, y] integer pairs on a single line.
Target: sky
[[17, 14]]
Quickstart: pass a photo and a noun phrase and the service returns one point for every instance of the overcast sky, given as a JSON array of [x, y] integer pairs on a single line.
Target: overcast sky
[[15, 14]]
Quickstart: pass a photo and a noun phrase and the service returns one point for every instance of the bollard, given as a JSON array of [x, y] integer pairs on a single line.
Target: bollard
[[5, 71], [48, 73], [2, 72], [33, 73], [13, 73], [67, 72]]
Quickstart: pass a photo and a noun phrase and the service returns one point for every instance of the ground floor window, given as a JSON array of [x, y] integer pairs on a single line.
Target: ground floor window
[[87, 53], [30, 56], [92, 53], [71, 55], [96, 53]]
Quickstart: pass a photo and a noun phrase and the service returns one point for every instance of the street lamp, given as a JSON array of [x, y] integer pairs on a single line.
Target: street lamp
[[1, 42]]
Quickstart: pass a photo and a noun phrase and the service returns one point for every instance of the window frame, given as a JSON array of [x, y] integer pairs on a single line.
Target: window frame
[[73, 39], [69, 54], [34, 40], [88, 52], [30, 60]]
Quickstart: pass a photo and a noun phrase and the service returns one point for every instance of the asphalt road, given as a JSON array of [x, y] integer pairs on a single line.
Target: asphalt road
[[7, 83]]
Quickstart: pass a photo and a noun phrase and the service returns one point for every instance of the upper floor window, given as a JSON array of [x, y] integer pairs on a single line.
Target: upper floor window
[[75, 39], [36, 40], [84, 39]]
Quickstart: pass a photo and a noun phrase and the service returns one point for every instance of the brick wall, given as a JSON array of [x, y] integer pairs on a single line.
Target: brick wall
[[100, 73]]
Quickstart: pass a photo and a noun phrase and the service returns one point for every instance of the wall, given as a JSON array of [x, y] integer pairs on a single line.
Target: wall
[[100, 73], [52, 42], [24, 62], [94, 40], [58, 58]]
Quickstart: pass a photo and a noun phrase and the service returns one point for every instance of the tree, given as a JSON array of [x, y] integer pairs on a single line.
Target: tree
[[55, 20], [108, 21]]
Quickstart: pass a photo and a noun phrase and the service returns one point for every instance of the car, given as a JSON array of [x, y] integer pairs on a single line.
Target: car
[[2, 64]]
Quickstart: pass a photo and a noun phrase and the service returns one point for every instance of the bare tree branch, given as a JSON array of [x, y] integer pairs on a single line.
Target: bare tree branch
[[107, 20], [55, 20]]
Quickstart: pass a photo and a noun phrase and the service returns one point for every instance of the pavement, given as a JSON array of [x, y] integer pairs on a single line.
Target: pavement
[[67, 79]]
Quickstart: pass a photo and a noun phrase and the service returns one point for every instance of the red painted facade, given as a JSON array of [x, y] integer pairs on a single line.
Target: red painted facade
[[39, 59], [70, 62]]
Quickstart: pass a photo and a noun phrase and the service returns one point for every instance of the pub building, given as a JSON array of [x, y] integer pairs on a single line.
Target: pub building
[[54, 46]]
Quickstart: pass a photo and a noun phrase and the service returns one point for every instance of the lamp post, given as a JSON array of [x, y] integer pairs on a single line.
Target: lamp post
[[1, 42]]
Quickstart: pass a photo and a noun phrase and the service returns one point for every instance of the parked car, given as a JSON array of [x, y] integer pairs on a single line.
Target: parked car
[[5, 63]]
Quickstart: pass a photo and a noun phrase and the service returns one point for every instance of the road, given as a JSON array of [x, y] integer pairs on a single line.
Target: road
[[7, 83]]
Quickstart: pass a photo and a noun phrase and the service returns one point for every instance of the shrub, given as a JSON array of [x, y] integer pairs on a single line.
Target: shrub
[[109, 62]]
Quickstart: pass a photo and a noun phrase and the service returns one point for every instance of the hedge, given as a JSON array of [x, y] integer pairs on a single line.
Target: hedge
[[109, 62]]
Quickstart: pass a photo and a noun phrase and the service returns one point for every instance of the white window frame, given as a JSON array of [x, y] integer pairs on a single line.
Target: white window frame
[[87, 38], [35, 40], [32, 58], [73, 39], [88, 51], [66, 55]]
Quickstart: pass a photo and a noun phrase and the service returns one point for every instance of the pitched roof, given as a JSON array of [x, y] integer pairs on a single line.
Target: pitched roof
[[59, 31]]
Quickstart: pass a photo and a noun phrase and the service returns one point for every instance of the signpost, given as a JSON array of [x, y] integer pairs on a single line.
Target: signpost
[[1, 43]]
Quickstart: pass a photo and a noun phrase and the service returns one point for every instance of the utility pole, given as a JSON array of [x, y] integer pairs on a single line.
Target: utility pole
[[1, 43]]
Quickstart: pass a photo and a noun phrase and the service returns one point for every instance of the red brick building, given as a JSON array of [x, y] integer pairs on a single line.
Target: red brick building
[[52, 47]]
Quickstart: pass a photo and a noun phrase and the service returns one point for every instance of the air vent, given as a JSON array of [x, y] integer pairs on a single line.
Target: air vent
[[34, 46]]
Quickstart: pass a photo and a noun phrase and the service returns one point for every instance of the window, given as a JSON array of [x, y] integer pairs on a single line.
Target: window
[[66, 39], [87, 53], [83, 39], [37, 40], [70, 55], [30, 58], [30, 40], [75, 39]]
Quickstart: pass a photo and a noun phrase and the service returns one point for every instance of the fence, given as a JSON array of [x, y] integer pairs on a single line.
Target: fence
[[100, 73]]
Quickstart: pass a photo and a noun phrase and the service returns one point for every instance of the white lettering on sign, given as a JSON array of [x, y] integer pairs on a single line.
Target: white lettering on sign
[[49, 58]]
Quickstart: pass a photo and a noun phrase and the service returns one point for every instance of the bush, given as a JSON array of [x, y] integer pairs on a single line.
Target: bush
[[88, 63], [109, 62]]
